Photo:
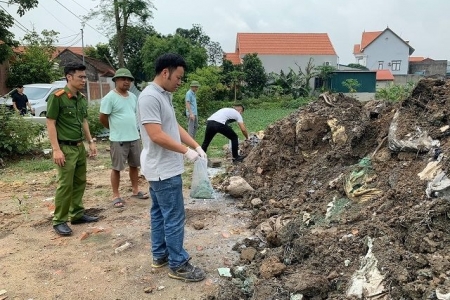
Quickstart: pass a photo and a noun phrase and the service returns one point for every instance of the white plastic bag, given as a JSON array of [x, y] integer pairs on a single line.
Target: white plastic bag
[[201, 187]]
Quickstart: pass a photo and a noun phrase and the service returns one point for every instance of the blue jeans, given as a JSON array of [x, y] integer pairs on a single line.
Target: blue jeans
[[167, 221]]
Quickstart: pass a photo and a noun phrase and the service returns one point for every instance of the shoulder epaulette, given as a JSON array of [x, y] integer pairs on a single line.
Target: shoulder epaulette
[[59, 92], [83, 95]]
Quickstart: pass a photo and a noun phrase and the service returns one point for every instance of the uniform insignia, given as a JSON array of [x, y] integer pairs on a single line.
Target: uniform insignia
[[59, 92]]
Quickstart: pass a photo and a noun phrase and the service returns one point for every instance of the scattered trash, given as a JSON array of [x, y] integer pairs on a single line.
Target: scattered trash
[[359, 184], [122, 247], [224, 272], [367, 282], [442, 296]]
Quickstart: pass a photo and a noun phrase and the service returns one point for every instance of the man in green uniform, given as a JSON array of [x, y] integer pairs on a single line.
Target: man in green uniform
[[66, 122]]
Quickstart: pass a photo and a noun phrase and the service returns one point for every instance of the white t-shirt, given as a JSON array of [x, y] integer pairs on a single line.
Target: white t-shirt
[[226, 115]]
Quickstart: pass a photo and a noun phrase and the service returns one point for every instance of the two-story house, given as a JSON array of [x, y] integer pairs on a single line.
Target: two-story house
[[381, 50], [285, 51]]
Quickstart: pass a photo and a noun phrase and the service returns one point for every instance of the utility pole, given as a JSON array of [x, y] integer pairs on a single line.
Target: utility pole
[[82, 41]]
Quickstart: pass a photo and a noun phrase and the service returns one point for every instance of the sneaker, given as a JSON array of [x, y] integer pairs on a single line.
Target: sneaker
[[187, 273], [239, 158], [160, 262]]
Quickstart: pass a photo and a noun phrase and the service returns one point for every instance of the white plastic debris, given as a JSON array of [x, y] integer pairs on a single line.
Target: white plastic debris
[[367, 282]]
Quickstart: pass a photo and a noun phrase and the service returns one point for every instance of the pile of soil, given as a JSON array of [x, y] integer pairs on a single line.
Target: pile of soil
[[314, 248]]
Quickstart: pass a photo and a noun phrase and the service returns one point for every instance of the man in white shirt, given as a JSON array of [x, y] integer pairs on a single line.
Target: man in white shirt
[[218, 123]]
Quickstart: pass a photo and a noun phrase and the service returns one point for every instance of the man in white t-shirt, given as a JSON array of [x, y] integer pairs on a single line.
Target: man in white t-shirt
[[218, 123]]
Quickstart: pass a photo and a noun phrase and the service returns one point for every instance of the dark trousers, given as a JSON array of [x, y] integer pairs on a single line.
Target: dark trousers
[[213, 127]]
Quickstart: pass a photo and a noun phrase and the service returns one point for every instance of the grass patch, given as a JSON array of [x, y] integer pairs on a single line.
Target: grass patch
[[33, 165], [255, 119]]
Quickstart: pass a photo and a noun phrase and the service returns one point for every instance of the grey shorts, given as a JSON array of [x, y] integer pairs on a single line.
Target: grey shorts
[[123, 152]]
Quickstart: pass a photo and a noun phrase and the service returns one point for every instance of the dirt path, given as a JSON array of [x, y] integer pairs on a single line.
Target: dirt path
[[35, 263]]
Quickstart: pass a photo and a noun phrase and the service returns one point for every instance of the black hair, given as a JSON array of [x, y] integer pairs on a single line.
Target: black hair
[[169, 61], [240, 105], [19, 86], [71, 68]]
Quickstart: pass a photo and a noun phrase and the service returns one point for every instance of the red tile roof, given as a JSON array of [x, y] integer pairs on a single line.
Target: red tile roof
[[416, 58], [369, 36], [384, 75], [58, 50], [284, 44], [233, 57]]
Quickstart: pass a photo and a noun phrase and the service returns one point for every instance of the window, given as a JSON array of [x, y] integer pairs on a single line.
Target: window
[[396, 65], [380, 65]]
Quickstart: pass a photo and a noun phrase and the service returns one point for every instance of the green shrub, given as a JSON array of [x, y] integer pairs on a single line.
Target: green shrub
[[395, 92], [18, 136], [95, 127]]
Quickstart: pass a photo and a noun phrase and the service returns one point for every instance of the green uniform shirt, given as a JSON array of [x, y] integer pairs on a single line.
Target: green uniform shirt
[[69, 111]]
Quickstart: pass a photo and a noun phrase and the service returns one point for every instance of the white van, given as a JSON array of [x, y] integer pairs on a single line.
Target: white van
[[37, 94]]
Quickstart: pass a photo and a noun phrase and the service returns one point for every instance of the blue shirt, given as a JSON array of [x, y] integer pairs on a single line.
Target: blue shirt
[[192, 100]]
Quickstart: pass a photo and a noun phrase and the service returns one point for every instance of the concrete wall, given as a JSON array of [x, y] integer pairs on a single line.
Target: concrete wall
[[363, 97], [387, 48], [404, 79], [428, 67], [276, 63], [381, 84]]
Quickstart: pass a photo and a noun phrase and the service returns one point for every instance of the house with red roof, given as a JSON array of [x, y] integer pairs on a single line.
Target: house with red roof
[[380, 50], [285, 51]]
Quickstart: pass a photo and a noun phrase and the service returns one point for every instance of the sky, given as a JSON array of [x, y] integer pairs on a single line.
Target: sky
[[424, 24]]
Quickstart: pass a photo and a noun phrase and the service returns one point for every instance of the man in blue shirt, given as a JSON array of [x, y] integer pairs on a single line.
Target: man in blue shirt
[[191, 109]]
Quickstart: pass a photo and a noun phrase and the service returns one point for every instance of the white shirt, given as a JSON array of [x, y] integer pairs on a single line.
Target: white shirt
[[226, 115]]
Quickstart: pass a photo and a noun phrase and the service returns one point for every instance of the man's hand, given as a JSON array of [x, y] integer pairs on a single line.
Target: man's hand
[[191, 155], [93, 150], [201, 153], [58, 157], [192, 117]]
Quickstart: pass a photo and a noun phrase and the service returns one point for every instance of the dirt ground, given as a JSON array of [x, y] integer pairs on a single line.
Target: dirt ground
[[318, 220], [36, 263], [337, 211]]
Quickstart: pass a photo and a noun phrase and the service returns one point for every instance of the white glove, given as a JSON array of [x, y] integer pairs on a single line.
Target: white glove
[[201, 152], [191, 155]]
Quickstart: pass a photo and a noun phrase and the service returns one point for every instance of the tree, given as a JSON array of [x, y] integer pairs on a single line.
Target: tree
[[154, 46], [120, 15], [324, 74], [6, 22], [198, 37], [101, 52], [35, 64], [357, 66], [134, 42], [254, 74], [351, 84]]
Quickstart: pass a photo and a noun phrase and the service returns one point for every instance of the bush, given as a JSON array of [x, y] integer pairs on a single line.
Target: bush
[[395, 92], [18, 136], [95, 127]]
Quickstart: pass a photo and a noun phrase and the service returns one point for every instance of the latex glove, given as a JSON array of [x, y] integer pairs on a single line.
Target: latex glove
[[191, 155], [201, 152]]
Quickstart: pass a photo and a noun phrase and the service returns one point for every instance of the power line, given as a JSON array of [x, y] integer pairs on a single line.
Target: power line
[[80, 5], [69, 36], [76, 37], [15, 21], [56, 18], [84, 22]]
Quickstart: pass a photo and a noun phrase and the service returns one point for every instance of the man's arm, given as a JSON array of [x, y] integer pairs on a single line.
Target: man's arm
[[159, 137], [87, 134], [188, 107], [58, 155], [104, 120], [15, 106], [186, 138], [243, 130]]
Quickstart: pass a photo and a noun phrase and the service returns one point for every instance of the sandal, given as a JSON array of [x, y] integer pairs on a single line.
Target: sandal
[[118, 203], [140, 195]]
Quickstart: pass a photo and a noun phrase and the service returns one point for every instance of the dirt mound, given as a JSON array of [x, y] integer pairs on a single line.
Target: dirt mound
[[342, 208]]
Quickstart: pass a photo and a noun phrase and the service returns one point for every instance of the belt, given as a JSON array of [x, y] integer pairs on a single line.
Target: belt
[[71, 143]]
